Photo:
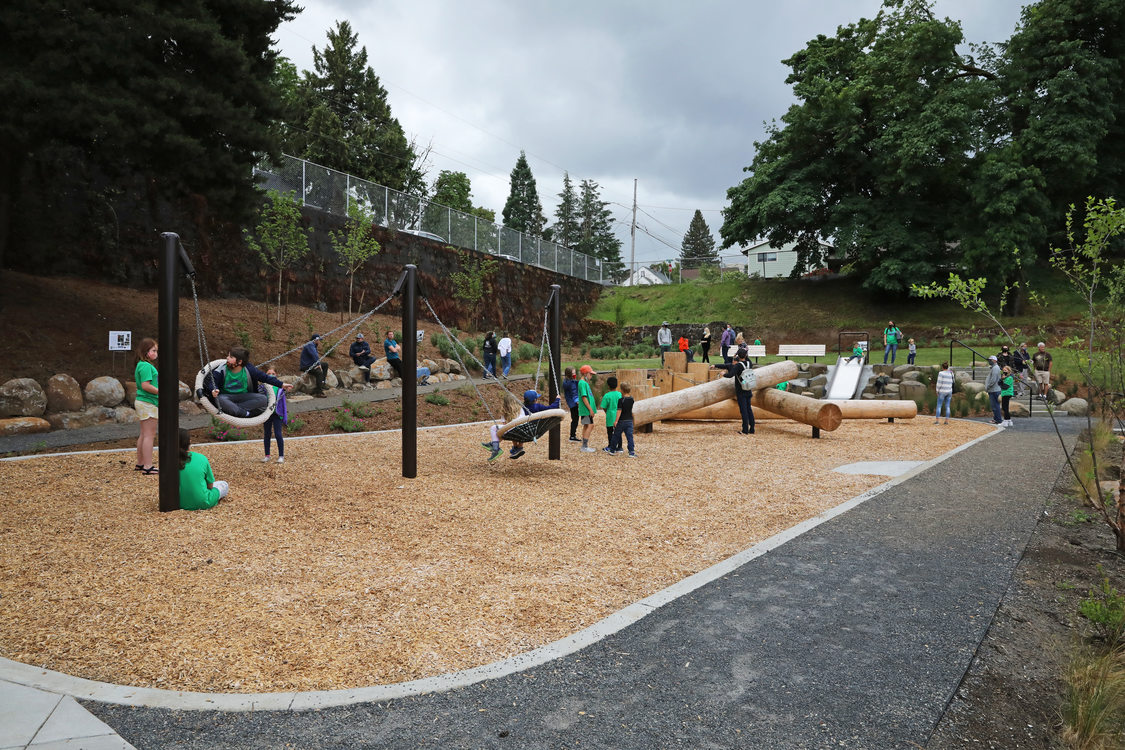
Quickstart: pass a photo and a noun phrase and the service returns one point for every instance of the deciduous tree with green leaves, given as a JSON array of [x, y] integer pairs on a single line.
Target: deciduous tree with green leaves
[[280, 240], [523, 211], [355, 245], [470, 281]]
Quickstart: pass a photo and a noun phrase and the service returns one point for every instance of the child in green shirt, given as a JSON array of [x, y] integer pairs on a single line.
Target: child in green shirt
[[198, 488], [609, 406]]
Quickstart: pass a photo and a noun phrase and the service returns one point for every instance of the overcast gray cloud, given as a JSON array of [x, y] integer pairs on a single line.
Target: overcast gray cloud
[[672, 94]]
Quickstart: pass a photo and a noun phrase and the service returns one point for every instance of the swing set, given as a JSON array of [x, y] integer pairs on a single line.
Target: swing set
[[524, 429]]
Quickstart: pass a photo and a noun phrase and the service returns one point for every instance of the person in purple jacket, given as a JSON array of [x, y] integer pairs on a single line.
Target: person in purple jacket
[[274, 424]]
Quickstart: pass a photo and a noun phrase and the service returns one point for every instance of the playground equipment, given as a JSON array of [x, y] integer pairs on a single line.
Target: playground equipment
[[668, 405], [847, 378], [848, 409]]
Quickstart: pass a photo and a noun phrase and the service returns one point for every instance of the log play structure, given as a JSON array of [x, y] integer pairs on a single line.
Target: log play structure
[[695, 392]]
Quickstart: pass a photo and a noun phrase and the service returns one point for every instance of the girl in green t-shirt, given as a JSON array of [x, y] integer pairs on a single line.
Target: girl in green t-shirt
[[146, 404], [198, 488]]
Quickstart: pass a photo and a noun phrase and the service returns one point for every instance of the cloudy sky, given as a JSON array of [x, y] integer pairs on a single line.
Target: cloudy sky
[[673, 94]]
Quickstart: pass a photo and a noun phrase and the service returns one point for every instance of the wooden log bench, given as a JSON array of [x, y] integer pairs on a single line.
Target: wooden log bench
[[800, 350]]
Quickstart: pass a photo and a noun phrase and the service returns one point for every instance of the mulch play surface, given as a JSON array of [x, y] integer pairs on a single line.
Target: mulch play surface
[[332, 571]]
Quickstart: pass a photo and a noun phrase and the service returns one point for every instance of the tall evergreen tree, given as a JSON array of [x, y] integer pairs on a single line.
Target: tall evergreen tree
[[523, 211], [343, 94], [179, 93], [698, 248], [595, 232], [566, 230]]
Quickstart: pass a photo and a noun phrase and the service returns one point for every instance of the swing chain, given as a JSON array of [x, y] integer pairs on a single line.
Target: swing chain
[[357, 321]]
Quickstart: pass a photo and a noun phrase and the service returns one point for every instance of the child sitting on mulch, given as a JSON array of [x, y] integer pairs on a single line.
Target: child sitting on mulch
[[198, 488]]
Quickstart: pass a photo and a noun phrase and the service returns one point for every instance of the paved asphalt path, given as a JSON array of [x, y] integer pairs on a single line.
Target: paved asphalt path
[[855, 634]]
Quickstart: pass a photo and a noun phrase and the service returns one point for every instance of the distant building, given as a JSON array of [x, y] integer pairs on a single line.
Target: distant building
[[772, 262], [645, 276]]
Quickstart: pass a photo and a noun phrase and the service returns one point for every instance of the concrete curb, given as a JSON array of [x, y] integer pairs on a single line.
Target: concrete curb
[[104, 692]]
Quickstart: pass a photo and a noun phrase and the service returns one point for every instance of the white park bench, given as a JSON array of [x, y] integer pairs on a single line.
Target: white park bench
[[751, 351], [800, 350]]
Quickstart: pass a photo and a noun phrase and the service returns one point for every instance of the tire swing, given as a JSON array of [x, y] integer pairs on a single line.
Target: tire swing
[[207, 401], [530, 427]]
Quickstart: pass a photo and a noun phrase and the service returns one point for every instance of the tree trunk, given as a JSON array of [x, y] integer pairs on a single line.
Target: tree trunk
[[280, 271]]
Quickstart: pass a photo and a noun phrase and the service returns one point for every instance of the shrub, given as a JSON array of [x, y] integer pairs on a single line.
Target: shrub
[[344, 420], [294, 425], [222, 432], [361, 411], [437, 399], [267, 330], [526, 353], [243, 336], [1095, 701]]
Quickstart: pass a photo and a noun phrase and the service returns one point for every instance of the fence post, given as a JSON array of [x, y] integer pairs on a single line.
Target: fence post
[[347, 192], [303, 162]]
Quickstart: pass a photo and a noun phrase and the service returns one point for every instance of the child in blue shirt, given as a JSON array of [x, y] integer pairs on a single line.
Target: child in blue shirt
[[570, 391]]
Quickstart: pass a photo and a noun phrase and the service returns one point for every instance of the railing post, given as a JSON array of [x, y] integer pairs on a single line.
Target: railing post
[[303, 163]]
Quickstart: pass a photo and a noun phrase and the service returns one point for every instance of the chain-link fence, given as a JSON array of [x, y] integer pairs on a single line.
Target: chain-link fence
[[332, 191]]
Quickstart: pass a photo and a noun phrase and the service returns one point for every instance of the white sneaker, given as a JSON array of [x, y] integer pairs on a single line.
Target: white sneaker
[[281, 459], [588, 449], [265, 459]]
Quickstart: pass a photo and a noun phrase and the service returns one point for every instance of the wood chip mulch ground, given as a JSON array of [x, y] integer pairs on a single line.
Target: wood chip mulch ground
[[332, 571]]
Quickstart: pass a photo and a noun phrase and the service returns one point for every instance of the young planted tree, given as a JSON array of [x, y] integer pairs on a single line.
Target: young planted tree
[[279, 239], [355, 244], [470, 280]]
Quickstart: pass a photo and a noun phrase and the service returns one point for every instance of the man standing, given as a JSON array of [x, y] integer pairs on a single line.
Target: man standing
[[393, 351], [1041, 360], [891, 336], [664, 340], [992, 387], [743, 395], [725, 342], [504, 349]]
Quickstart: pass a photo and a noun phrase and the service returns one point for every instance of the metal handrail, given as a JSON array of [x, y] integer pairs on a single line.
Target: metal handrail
[[984, 357]]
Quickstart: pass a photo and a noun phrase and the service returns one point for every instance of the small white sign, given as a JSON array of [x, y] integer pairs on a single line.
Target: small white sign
[[421, 335], [120, 341]]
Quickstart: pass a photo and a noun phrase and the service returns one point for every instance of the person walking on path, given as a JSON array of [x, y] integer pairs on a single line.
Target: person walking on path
[[664, 340], [1041, 360], [725, 342], [944, 389], [705, 345], [745, 409], [393, 351], [891, 336], [488, 349], [147, 403], [992, 387], [310, 363], [504, 349]]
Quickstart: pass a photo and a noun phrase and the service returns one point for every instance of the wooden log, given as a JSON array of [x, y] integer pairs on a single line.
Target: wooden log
[[632, 377], [668, 404], [700, 372], [662, 379], [675, 361], [872, 409], [803, 409]]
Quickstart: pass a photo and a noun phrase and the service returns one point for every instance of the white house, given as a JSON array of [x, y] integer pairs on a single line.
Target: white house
[[645, 276], [772, 262]]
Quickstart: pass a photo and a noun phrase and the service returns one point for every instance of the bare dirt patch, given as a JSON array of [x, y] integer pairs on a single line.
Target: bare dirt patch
[[332, 571]]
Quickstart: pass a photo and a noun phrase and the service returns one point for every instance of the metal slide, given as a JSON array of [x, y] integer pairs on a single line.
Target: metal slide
[[846, 379]]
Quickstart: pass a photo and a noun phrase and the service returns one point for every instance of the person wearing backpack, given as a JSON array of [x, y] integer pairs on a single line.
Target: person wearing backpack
[[743, 376]]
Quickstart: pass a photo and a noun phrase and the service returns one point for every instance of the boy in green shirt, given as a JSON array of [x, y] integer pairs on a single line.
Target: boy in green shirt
[[586, 406], [609, 406]]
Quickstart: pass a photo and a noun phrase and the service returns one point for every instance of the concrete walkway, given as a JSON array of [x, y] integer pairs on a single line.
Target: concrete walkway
[[853, 634]]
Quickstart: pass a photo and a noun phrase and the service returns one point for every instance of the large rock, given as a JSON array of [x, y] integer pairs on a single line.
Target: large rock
[[914, 375], [1055, 396], [346, 379], [23, 426], [817, 391], [887, 370], [190, 408], [901, 370], [130, 391], [1018, 409], [453, 366], [911, 389], [972, 388], [63, 394], [798, 384], [185, 391], [22, 397], [1076, 407], [817, 368], [893, 388], [125, 415], [105, 391], [357, 375], [818, 380], [962, 376], [432, 365], [77, 420], [381, 371]]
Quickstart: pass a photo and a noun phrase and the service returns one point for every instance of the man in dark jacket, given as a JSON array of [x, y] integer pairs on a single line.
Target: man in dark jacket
[[360, 352], [310, 363]]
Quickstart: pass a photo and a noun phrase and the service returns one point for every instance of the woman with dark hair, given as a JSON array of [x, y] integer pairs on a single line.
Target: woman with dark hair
[[742, 394], [489, 351], [147, 403], [198, 488]]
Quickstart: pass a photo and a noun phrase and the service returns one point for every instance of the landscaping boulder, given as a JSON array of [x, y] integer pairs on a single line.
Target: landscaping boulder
[[887, 370], [893, 388], [1055, 397], [190, 408], [434, 367], [972, 388], [915, 375], [23, 426], [357, 375], [798, 384], [185, 391], [1018, 409], [381, 372], [901, 370], [22, 397], [130, 391], [981, 399], [1111, 489], [1076, 407], [63, 394], [105, 391], [817, 368], [818, 380], [383, 384], [125, 415], [453, 366], [911, 389], [346, 379], [817, 391]]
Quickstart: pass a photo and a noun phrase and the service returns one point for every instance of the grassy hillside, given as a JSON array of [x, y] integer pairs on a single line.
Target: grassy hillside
[[782, 307]]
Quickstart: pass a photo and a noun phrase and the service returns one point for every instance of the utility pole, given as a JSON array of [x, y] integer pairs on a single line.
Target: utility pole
[[633, 236]]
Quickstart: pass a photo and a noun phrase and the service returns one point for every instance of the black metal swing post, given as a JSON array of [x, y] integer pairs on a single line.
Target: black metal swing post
[[168, 368], [408, 287], [554, 445]]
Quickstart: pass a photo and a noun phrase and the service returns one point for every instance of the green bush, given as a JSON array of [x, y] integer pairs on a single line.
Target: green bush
[[526, 353], [294, 425], [361, 411], [437, 399], [243, 336], [223, 432], [1104, 607], [344, 420]]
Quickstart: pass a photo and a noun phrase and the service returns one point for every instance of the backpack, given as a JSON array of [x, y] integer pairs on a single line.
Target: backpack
[[747, 379]]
